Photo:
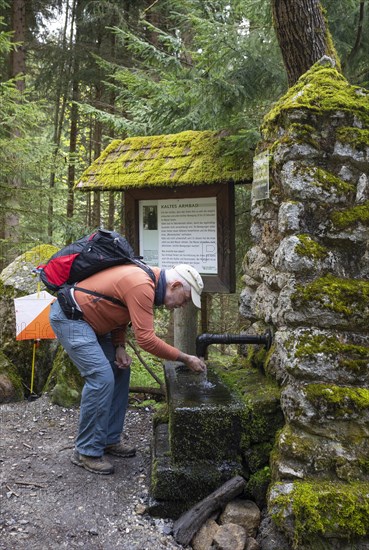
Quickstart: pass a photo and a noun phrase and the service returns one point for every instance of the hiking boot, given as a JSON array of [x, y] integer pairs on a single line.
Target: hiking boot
[[94, 464], [118, 449]]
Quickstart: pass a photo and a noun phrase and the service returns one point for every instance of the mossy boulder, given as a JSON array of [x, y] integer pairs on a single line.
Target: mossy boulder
[[18, 274], [11, 387], [328, 410], [17, 280], [64, 383], [316, 514]]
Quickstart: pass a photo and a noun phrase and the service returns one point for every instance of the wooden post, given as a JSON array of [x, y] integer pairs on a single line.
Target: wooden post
[[185, 328]]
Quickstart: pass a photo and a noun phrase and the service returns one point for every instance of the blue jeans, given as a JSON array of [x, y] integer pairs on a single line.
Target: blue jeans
[[105, 393]]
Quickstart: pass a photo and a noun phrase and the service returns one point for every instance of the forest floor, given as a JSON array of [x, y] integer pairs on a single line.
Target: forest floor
[[46, 502]]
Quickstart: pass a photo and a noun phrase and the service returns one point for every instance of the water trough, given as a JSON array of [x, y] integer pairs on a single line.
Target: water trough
[[198, 446]]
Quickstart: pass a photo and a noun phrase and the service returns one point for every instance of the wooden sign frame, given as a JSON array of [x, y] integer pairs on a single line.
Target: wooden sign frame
[[224, 280]]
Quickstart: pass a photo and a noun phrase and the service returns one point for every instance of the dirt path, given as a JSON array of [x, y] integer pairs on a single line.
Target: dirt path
[[48, 503]]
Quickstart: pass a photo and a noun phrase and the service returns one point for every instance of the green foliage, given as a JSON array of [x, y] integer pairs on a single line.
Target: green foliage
[[201, 71], [140, 376], [344, 21]]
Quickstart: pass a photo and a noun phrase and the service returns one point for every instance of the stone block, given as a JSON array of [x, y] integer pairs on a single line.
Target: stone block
[[188, 482], [205, 419]]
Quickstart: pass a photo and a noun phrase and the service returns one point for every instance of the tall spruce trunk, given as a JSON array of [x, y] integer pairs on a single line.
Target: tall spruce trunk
[[9, 224], [61, 97], [74, 114], [302, 34]]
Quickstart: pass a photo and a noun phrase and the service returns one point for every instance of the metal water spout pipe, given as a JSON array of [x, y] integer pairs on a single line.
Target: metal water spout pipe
[[205, 340]]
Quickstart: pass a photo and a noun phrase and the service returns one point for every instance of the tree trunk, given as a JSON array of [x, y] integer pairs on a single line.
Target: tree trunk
[[72, 146], [18, 54], [111, 211], [61, 97], [302, 34], [96, 210], [78, 7], [17, 68]]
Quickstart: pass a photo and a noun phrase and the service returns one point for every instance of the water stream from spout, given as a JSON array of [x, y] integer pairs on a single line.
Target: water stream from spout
[[204, 382]]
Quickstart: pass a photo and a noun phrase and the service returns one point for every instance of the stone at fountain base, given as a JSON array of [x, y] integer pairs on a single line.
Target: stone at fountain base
[[177, 487]]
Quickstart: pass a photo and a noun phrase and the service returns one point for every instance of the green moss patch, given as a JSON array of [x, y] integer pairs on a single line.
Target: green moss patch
[[320, 90], [356, 137], [328, 181], [261, 396], [349, 356], [351, 216], [324, 508], [310, 248], [345, 296], [341, 400]]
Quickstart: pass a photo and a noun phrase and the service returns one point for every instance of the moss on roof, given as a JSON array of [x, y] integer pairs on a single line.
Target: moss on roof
[[187, 158]]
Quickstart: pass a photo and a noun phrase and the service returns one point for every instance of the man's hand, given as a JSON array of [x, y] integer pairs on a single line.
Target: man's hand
[[122, 359], [196, 364]]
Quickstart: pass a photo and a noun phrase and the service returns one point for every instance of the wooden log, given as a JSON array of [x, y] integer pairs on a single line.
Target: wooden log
[[142, 389], [190, 522]]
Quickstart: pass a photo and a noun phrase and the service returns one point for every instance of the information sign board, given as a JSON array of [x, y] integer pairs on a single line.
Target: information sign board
[[178, 231], [188, 224]]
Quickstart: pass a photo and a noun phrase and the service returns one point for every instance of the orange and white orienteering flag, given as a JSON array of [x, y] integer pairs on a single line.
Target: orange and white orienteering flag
[[32, 316]]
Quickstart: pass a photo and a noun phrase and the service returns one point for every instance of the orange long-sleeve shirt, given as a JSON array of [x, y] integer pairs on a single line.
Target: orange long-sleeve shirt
[[133, 286]]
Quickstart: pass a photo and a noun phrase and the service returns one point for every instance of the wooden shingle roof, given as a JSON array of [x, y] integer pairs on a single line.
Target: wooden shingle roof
[[186, 158]]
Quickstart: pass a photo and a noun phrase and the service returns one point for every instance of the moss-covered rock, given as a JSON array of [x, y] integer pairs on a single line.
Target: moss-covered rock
[[11, 387], [310, 248], [338, 400], [309, 511], [351, 216], [64, 383], [18, 275], [356, 137], [302, 455], [326, 356], [347, 297], [321, 90]]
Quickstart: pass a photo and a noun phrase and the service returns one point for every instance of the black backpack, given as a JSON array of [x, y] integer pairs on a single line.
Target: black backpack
[[88, 255]]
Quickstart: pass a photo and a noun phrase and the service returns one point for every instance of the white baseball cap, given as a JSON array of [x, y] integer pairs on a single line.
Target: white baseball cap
[[193, 278]]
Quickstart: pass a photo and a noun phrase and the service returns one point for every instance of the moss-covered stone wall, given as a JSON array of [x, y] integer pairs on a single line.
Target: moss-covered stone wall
[[307, 276]]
